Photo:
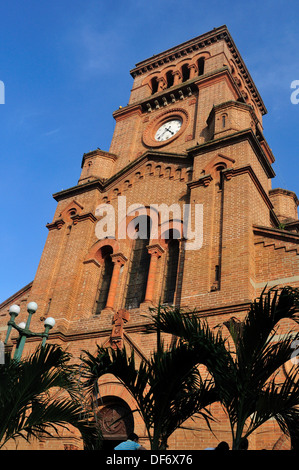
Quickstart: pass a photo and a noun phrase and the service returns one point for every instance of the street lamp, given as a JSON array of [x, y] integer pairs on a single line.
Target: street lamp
[[23, 328]]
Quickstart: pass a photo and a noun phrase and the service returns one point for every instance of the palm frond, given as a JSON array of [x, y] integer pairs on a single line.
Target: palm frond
[[27, 407]]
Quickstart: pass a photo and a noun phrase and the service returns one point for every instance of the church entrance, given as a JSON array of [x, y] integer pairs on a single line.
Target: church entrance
[[116, 420]]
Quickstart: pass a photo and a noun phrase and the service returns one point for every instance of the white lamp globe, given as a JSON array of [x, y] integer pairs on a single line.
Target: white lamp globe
[[31, 307], [22, 324], [14, 310], [49, 322]]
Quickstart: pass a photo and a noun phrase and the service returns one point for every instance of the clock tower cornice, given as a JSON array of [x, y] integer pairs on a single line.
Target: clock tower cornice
[[175, 94], [197, 44]]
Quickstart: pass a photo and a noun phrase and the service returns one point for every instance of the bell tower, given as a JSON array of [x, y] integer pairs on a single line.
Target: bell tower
[[185, 96]]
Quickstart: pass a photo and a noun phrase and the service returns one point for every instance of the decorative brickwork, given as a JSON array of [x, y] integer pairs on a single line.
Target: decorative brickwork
[[218, 159]]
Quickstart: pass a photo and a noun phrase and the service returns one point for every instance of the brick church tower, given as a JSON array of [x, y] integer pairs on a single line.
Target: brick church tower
[[190, 136]]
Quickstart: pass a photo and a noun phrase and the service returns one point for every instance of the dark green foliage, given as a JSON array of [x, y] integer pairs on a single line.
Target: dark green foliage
[[246, 375], [167, 388], [31, 402]]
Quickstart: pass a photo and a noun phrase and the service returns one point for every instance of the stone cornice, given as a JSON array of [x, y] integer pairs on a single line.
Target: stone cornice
[[292, 224]]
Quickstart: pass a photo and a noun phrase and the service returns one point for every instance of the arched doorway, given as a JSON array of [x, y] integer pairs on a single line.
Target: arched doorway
[[116, 420]]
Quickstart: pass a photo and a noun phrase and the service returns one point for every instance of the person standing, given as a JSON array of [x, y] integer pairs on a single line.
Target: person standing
[[130, 444]]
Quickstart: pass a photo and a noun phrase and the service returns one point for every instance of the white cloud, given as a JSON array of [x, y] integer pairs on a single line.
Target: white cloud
[[54, 131]]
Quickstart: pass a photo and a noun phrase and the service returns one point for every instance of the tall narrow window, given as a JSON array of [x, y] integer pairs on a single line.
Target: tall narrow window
[[171, 270], [200, 64], [107, 270], [220, 176], [154, 83], [185, 72], [139, 266], [169, 79]]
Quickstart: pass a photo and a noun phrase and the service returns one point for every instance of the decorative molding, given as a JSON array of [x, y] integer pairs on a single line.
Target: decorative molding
[[82, 217], [119, 258], [202, 181], [75, 219], [169, 96], [123, 113], [171, 113], [271, 232], [94, 254], [98, 153], [232, 172], [155, 249], [232, 139], [103, 186], [57, 225], [274, 282], [79, 189], [198, 44]]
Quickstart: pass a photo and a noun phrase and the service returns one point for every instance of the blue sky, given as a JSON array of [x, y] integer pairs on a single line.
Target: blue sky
[[65, 65]]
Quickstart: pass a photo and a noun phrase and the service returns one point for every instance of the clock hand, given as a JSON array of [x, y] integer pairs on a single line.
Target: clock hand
[[163, 132], [170, 131]]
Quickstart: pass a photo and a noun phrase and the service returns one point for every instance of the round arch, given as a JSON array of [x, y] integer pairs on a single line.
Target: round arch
[[99, 250]]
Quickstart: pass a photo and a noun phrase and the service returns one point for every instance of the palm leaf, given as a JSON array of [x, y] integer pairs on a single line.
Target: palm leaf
[[27, 407]]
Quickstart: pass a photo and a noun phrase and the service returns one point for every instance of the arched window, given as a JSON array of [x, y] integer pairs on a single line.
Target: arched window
[[200, 65], [154, 84], [171, 270], [169, 79], [185, 72], [140, 262], [107, 270]]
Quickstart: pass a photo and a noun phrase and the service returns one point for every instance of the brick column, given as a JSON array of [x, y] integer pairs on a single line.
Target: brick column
[[177, 77], [118, 260], [155, 251], [193, 71], [161, 84]]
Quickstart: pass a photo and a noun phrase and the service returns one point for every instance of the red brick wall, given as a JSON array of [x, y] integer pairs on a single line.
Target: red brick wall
[[238, 232]]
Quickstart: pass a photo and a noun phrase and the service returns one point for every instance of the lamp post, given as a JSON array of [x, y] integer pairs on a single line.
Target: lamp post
[[23, 328]]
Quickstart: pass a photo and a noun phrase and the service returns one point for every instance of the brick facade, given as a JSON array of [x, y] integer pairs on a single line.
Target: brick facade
[[219, 159]]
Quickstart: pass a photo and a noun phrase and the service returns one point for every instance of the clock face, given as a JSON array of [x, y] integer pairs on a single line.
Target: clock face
[[168, 130]]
